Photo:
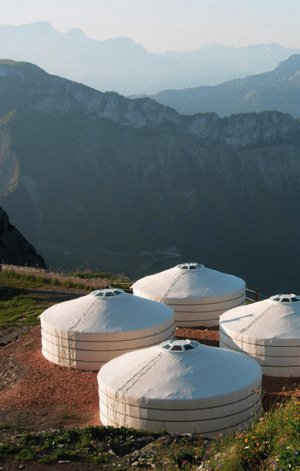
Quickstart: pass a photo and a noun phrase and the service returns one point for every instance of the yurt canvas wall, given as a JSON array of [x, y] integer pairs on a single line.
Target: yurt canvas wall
[[197, 295], [269, 331], [180, 387], [87, 332]]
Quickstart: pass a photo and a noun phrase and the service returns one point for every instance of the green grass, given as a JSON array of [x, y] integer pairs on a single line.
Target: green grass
[[87, 275], [87, 445], [18, 309], [29, 282], [20, 281], [18, 304], [120, 281]]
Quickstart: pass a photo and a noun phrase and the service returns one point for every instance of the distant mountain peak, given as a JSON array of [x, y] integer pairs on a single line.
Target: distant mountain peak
[[278, 89], [75, 33], [41, 27], [20, 69], [125, 66], [291, 64]]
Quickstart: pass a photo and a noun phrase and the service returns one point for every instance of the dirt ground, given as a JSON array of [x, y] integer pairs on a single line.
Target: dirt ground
[[40, 395]]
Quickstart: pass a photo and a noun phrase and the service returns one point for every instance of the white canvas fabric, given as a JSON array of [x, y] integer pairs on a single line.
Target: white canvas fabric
[[87, 332], [269, 331], [197, 295], [180, 386]]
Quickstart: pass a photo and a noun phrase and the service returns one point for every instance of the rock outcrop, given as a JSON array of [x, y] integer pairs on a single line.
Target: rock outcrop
[[14, 248]]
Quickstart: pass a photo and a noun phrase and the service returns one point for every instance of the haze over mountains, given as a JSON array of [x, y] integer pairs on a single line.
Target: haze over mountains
[[124, 66], [275, 90], [98, 180]]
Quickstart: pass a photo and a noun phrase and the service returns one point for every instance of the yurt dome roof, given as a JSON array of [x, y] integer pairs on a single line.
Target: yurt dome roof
[[268, 321], [87, 332], [106, 311], [179, 385], [187, 280], [176, 372], [197, 295], [268, 330]]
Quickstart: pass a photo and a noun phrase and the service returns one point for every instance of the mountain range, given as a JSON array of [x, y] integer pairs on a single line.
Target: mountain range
[[130, 186], [275, 90], [124, 66]]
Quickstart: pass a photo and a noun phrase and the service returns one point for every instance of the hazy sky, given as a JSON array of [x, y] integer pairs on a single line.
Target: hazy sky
[[167, 25]]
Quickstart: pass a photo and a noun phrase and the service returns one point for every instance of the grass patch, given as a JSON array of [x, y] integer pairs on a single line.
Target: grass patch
[[22, 281], [20, 308], [66, 416], [120, 281], [10, 278], [18, 305], [272, 443], [88, 275], [25, 455]]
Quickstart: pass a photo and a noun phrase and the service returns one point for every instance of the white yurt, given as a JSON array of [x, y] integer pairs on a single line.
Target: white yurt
[[87, 332], [180, 386], [197, 295], [269, 331]]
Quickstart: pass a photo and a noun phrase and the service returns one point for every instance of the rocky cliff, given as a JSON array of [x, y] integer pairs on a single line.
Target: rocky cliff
[[132, 186], [30, 88], [14, 248]]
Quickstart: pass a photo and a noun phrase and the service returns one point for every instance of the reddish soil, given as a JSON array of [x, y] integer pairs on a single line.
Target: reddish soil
[[41, 395]]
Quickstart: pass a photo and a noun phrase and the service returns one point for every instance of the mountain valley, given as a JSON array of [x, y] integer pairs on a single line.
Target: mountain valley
[[130, 186]]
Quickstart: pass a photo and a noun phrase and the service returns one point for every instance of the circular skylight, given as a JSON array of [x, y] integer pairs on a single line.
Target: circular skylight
[[285, 298], [108, 293], [180, 346], [189, 266]]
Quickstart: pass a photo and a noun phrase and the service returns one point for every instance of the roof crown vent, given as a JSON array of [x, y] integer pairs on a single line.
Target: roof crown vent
[[108, 293], [286, 298], [189, 266], [180, 346]]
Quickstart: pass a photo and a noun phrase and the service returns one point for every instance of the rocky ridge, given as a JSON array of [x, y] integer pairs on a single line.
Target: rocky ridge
[[49, 94], [277, 89]]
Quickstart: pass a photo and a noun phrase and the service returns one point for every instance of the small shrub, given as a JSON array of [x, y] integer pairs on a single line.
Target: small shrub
[[55, 282], [25, 455], [8, 448], [184, 457], [64, 455]]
